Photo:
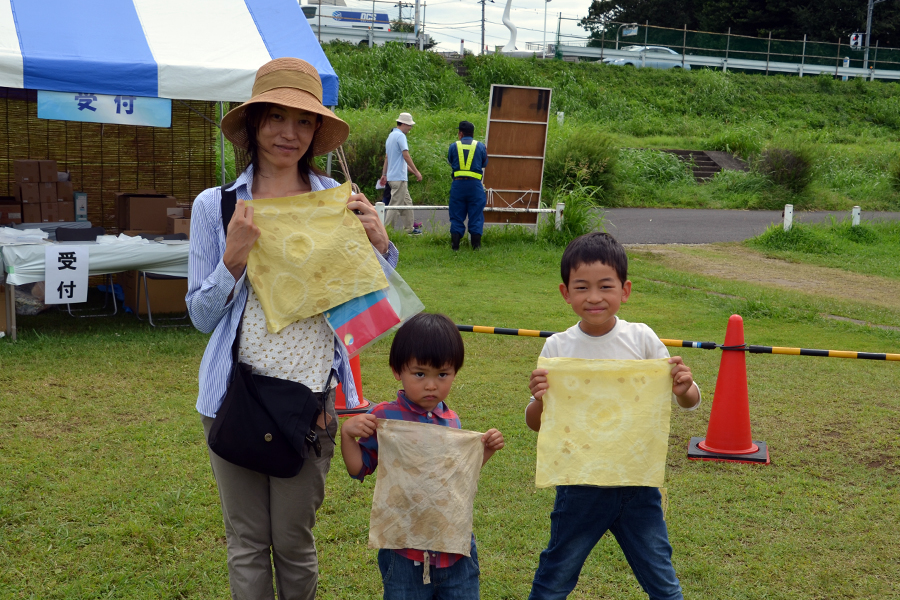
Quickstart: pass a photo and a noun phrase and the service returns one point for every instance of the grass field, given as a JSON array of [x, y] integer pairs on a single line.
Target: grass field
[[847, 129], [107, 492]]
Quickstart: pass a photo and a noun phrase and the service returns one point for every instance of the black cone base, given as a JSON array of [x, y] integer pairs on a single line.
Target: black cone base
[[760, 457]]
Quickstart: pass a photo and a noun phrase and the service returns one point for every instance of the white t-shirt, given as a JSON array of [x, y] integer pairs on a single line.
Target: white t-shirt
[[625, 341]]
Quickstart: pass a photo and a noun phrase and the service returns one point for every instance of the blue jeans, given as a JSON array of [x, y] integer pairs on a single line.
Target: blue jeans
[[580, 517], [402, 579], [467, 199]]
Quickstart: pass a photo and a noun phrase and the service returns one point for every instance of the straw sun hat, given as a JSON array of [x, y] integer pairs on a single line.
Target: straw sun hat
[[294, 83]]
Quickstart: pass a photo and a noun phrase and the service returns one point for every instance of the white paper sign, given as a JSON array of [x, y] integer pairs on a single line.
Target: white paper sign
[[66, 274]]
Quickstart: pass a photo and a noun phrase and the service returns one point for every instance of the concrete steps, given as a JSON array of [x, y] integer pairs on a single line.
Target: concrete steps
[[705, 164]]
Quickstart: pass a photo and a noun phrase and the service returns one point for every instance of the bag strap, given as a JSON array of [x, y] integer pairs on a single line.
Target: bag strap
[[229, 201]]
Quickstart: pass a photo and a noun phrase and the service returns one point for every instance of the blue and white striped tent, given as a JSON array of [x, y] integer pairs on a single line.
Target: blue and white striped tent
[[178, 49]]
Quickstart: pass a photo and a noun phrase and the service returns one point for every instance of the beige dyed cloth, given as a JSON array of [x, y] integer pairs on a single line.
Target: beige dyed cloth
[[605, 422], [312, 254], [425, 488]]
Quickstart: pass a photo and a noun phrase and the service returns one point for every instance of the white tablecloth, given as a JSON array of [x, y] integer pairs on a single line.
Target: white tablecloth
[[25, 264]]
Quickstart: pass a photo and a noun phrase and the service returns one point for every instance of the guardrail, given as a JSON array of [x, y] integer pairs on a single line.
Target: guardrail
[[735, 63], [360, 35], [381, 208]]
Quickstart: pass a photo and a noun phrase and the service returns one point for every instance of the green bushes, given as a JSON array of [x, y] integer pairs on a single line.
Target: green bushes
[[792, 169], [581, 155]]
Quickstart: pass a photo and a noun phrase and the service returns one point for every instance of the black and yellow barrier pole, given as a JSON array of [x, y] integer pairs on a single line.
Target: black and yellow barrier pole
[[504, 331], [703, 345]]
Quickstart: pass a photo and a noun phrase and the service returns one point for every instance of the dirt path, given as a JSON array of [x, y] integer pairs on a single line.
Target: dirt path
[[739, 263]]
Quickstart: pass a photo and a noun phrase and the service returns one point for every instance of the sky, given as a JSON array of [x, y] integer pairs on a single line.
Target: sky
[[449, 21]]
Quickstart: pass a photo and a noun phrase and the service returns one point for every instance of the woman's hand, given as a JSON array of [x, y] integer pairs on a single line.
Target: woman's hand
[[239, 239], [368, 216]]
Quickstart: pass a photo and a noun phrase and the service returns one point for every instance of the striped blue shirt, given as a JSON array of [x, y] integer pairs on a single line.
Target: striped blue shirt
[[210, 283]]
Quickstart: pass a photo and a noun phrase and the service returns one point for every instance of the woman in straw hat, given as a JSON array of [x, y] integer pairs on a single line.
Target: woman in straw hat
[[281, 128]]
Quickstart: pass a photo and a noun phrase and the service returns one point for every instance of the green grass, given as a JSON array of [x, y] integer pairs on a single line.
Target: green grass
[[871, 247], [107, 490], [850, 127]]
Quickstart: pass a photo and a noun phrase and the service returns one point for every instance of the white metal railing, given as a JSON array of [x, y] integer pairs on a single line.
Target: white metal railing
[[381, 208], [719, 62]]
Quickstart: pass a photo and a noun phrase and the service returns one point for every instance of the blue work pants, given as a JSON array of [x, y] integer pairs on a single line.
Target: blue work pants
[[580, 517], [467, 199]]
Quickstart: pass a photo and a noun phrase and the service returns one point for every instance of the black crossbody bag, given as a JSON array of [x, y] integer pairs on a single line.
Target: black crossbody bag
[[264, 424]]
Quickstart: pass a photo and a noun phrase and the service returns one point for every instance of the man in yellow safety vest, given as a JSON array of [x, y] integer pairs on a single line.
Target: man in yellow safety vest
[[467, 159]]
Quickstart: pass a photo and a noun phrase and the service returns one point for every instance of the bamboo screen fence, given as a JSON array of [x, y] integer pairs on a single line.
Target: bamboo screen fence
[[105, 159]]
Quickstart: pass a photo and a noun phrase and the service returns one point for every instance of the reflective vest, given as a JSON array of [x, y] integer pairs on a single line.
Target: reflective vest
[[466, 165]]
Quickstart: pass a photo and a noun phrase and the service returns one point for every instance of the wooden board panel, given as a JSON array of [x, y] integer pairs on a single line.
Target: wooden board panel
[[513, 174], [520, 104], [517, 139], [513, 200], [517, 129]]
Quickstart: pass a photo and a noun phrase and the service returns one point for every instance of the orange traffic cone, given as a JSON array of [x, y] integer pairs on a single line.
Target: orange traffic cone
[[728, 435], [340, 401]]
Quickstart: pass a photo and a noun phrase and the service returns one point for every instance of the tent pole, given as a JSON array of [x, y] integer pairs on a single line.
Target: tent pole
[[328, 165], [222, 136]]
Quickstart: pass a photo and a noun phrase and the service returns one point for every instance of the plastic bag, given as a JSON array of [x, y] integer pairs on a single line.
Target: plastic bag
[[366, 319]]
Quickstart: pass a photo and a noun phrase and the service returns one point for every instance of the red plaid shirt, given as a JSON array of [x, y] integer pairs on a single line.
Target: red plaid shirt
[[404, 410]]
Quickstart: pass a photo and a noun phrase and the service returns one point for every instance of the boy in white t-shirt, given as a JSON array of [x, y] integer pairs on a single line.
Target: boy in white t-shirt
[[595, 284]]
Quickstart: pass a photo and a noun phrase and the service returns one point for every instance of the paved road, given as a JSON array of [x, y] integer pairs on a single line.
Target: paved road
[[685, 226]]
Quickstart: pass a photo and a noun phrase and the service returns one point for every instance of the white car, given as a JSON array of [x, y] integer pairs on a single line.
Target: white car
[[658, 57]]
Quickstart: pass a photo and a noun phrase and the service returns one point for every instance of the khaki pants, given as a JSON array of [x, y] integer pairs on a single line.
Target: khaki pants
[[400, 220], [262, 512]]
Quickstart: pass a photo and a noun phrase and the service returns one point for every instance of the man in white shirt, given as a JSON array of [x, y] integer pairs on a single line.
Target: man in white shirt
[[394, 174]]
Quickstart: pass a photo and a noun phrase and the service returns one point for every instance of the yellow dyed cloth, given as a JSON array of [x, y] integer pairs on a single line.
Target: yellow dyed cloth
[[425, 488], [605, 422], [312, 254]]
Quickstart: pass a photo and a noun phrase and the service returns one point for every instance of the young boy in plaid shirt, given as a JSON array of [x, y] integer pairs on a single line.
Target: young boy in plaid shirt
[[425, 357]]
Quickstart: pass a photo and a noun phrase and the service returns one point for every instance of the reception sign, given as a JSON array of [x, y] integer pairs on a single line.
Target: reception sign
[[101, 108]]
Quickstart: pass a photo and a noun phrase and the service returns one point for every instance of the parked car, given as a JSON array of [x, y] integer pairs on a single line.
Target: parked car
[[658, 57]]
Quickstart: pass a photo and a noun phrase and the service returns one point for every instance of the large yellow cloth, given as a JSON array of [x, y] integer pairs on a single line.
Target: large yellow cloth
[[605, 422], [312, 254], [425, 487]]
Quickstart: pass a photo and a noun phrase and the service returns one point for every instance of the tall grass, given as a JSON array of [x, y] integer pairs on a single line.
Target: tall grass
[[851, 126]]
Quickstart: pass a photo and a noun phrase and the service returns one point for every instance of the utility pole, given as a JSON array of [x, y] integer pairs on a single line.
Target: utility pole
[[416, 26], [482, 25], [544, 51], [872, 4]]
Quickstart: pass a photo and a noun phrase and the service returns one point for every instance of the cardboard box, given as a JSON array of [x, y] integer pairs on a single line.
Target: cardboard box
[[166, 295], [80, 199], [50, 212], [144, 212], [48, 171], [9, 200], [47, 192], [31, 213], [27, 171], [64, 191], [28, 193], [177, 222], [66, 211], [10, 214]]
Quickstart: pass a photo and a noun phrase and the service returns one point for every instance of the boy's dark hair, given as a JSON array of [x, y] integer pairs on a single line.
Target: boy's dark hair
[[594, 247], [467, 128], [429, 339]]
